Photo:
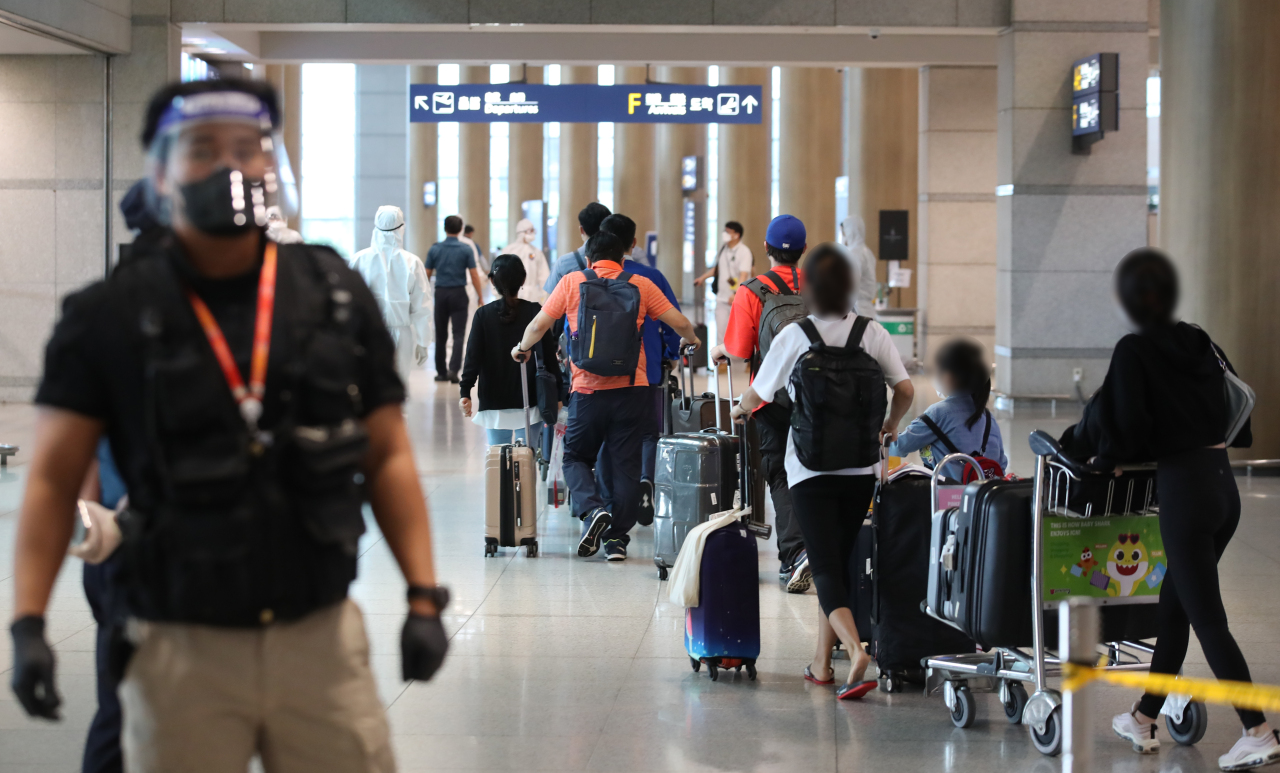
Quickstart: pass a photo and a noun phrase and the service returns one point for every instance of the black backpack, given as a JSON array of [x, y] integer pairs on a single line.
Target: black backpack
[[839, 404], [778, 308]]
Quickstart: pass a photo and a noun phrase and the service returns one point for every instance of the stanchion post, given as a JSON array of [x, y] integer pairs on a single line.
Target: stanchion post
[[1079, 631]]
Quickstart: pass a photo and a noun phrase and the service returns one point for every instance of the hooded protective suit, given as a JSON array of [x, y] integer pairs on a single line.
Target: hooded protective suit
[[278, 229], [853, 233], [536, 269], [398, 281]]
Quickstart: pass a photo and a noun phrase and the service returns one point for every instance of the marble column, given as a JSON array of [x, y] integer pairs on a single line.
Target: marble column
[[286, 79], [422, 223], [956, 227], [810, 148], [675, 141], [1219, 164], [889, 149], [579, 167], [745, 173], [524, 169], [634, 165], [1064, 220], [473, 168]]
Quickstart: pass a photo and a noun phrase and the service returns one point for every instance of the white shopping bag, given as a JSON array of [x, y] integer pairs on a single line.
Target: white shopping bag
[[556, 464], [688, 568]]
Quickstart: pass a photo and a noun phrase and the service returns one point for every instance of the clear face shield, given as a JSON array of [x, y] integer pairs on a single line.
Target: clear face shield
[[218, 165]]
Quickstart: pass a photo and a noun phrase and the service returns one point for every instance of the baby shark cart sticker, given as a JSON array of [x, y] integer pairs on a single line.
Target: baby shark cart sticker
[[1115, 560]]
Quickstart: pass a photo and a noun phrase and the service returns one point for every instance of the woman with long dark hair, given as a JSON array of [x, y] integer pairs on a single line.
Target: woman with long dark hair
[[1163, 400], [495, 329]]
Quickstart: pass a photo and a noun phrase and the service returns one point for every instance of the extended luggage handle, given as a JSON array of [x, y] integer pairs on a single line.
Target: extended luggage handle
[[965, 459], [754, 521], [524, 391], [686, 376]]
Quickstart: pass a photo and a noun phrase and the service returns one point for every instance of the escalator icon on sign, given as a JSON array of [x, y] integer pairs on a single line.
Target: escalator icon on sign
[[442, 102], [727, 104]]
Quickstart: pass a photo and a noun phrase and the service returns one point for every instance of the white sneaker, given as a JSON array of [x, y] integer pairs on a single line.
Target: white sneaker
[[1142, 736], [1252, 752]]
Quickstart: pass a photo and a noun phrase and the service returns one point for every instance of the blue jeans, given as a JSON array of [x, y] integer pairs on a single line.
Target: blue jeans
[[498, 437], [617, 419]]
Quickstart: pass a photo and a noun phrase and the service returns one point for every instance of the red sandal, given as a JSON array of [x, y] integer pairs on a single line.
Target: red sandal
[[809, 677], [852, 692]]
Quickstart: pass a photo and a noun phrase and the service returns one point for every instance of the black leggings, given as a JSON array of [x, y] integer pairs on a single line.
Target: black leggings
[[1199, 506], [830, 510]]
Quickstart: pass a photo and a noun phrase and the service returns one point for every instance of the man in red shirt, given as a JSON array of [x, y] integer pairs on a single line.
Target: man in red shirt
[[610, 411], [784, 242]]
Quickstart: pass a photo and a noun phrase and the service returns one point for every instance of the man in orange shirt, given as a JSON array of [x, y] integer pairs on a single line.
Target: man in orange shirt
[[745, 338], [606, 410]]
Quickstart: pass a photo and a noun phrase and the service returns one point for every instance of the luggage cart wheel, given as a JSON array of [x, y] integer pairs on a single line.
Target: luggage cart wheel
[[1049, 742], [1195, 721], [713, 670], [966, 707], [751, 670], [1016, 703], [697, 664], [662, 573]]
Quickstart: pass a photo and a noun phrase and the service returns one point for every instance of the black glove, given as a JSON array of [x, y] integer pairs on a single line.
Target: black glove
[[33, 668], [423, 644]]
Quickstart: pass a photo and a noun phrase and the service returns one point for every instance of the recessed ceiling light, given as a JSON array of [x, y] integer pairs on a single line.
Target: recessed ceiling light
[[195, 41], [215, 51]]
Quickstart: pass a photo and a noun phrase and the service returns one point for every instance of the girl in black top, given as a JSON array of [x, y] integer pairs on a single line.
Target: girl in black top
[[496, 328], [1163, 400]]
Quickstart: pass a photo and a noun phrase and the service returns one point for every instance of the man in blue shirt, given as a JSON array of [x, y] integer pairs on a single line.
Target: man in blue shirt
[[661, 344], [449, 262], [589, 220]]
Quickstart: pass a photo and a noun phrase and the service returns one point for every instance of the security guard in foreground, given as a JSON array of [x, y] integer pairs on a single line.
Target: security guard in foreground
[[250, 396]]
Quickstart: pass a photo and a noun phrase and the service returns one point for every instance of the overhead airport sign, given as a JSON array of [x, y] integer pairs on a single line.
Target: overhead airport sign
[[583, 103]]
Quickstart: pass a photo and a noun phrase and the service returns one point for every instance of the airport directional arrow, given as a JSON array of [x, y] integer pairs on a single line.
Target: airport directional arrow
[[421, 103], [750, 103]]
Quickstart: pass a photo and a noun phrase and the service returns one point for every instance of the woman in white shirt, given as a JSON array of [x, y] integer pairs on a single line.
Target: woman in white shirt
[[830, 504]]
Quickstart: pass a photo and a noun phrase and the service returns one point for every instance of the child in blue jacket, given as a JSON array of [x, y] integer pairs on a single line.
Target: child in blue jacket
[[963, 379]]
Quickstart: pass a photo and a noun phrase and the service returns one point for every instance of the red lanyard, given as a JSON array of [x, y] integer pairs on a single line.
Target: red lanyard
[[249, 399]]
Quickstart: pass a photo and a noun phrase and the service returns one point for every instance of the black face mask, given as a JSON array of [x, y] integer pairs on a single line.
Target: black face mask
[[223, 204]]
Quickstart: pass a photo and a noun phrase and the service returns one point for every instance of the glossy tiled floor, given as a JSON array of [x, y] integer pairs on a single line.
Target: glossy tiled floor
[[559, 663]]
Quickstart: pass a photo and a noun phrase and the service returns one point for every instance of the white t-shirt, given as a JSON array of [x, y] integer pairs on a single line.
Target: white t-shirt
[[733, 262], [787, 348]]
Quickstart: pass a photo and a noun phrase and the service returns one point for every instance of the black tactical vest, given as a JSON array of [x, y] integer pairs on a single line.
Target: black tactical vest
[[238, 529]]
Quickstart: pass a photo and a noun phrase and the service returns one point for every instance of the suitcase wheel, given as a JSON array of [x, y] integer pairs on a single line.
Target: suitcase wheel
[[713, 670], [966, 707], [697, 664], [531, 549], [751, 670], [891, 682], [490, 548], [662, 573]]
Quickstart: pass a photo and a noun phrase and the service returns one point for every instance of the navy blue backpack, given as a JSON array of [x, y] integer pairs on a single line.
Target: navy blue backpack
[[608, 339]]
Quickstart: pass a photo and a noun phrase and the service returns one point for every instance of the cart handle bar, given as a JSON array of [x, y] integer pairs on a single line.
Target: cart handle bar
[[937, 473]]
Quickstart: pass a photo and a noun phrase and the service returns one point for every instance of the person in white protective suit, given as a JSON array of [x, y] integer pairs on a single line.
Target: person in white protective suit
[[398, 281], [278, 229], [853, 234], [535, 263]]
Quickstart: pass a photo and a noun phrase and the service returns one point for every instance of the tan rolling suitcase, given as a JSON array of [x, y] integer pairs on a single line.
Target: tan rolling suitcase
[[511, 494]]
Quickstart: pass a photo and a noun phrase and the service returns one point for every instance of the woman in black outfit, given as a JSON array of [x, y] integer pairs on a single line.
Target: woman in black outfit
[[1163, 400], [496, 328]]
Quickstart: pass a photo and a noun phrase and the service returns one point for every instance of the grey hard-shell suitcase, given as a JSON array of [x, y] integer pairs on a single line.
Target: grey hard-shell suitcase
[[694, 413]]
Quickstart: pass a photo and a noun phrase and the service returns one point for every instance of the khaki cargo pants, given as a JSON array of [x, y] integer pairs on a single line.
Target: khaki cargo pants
[[200, 699]]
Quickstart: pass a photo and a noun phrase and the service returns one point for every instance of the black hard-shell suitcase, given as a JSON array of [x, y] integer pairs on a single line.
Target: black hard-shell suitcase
[[862, 580], [992, 587], [902, 634]]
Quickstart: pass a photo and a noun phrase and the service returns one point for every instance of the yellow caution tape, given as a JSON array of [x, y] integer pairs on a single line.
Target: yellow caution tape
[[1243, 695]]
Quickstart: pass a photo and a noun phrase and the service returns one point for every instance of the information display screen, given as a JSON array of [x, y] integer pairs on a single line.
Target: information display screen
[[583, 103], [1087, 75]]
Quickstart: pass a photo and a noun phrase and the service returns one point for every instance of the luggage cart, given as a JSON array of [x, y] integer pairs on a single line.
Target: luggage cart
[[1062, 488]]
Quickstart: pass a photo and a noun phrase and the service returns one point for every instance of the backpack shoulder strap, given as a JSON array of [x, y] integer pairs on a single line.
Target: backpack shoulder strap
[[986, 433], [582, 263], [782, 288], [625, 276], [937, 431], [811, 331], [855, 335], [589, 274]]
